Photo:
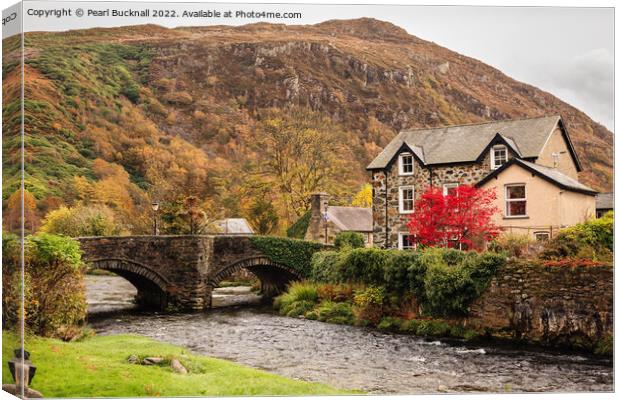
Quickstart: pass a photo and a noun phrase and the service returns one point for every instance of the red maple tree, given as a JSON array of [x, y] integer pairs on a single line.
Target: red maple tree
[[461, 217]]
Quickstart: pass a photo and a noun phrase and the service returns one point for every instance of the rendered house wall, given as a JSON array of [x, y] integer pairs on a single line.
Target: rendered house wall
[[548, 207]]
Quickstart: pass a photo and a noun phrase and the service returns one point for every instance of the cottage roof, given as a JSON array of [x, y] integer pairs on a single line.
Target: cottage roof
[[356, 219], [605, 201], [551, 175], [234, 226], [466, 143]]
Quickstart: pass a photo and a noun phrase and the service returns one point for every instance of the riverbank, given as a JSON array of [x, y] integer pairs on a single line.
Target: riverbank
[[98, 367]]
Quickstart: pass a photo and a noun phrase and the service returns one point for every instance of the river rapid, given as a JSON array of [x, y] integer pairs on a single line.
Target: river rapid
[[346, 357]]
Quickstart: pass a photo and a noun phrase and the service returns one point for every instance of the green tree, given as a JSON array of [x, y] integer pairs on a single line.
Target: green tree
[[263, 216], [186, 216], [53, 281]]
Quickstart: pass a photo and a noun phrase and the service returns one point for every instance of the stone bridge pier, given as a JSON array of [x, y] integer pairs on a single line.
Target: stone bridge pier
[[180, 272]]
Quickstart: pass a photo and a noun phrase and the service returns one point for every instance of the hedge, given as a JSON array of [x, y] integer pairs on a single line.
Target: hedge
[[293, 253], [444, 281]]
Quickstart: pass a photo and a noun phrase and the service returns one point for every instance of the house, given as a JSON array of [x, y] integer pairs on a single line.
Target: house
[[531, 163], [232, 226], [330, 220], [604, 203]]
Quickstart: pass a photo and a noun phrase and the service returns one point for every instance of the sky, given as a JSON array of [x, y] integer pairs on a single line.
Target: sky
[[566, 51]]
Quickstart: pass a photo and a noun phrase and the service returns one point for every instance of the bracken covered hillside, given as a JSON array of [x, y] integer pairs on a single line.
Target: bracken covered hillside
[[155, 112]]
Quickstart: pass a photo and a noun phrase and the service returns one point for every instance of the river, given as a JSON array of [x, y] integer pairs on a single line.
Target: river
[[343, 356]]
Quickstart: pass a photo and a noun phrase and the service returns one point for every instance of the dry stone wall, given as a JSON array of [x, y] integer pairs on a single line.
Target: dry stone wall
[[550, 305]]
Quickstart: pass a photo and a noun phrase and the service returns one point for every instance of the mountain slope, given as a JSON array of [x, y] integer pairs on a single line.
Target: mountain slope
[[183, 108]]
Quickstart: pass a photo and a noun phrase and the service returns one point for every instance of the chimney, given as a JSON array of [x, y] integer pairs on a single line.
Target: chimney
[[318, 204]]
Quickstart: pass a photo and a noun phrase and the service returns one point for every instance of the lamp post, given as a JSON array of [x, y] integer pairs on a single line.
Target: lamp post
[[155, 207], [325, 221]]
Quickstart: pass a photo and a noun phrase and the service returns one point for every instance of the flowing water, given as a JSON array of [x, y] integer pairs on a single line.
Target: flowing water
[[344, 356]]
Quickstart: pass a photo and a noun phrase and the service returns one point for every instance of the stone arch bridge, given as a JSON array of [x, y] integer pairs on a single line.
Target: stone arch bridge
[[181, 271]]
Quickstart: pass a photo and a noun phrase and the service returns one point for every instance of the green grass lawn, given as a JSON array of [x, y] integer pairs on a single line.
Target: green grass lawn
[[97, 367]]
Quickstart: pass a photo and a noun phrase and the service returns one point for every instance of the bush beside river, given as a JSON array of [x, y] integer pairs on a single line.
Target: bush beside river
[[434, 291]]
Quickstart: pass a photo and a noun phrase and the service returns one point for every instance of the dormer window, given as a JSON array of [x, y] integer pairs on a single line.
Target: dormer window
[[405, 164], [499, 156]]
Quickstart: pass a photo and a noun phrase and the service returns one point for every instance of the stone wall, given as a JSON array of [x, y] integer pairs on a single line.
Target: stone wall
[[550, 305]]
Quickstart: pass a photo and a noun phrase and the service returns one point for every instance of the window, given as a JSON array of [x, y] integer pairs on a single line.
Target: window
[[406, 241], [449, 189], [499, 156], [405, 164], [405, 199], [541, 236], [515, 201]]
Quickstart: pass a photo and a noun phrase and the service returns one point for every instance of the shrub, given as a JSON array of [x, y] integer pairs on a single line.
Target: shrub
[[433, 328], [454, 279], [54, 289], [592, 239], [390, 324], [300, 298], [364, 266], [336, 292], [336, 313], [409, 325], [325, 266], [369, 305], [349, 240], [514, 245], [397, 271], [297, 308], [447, 289]]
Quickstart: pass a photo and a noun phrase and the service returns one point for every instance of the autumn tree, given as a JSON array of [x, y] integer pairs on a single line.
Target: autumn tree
[[14, 206], [82, 220], [363, 198], [462, 217], [303, 152]]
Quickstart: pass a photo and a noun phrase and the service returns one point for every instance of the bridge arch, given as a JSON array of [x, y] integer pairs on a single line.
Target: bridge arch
[[152, 287], [273, 276]]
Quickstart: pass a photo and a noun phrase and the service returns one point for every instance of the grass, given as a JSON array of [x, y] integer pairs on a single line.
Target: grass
[[97, 367]]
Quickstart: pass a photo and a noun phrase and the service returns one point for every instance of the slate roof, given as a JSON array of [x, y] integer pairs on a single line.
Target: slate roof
[[234, 226], [356, 219], [551, 175], [465, 143], [605, 201]]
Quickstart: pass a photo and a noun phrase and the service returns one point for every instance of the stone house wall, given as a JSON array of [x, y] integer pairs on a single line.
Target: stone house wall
[[386, 185]]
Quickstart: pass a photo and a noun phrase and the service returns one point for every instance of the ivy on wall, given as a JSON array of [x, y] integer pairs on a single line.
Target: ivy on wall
[[293, 253]]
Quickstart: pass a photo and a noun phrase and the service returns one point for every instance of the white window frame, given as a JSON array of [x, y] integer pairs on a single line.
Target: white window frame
[[401, 165], [497, 147], [542, 233], [401, 243], [449, 185], [507, 200], [401, 200]]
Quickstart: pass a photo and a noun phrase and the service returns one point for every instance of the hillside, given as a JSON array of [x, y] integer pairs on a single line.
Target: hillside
[[145, 112]]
